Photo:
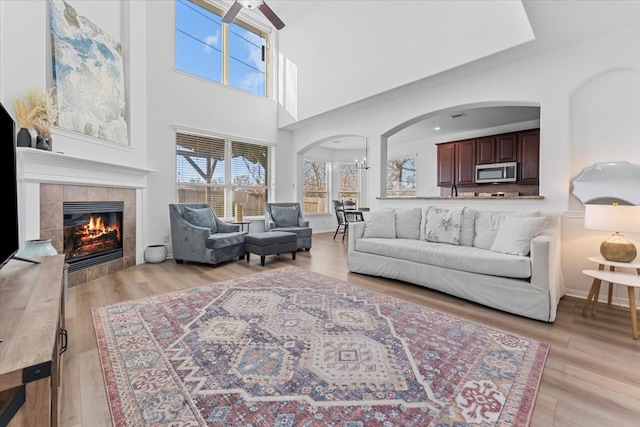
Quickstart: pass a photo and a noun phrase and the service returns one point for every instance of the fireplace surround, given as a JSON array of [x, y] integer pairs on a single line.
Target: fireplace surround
[[48, 179], [56, 199]]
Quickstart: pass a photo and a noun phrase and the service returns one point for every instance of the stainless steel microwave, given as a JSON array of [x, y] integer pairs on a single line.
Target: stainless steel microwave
[[497, 172]]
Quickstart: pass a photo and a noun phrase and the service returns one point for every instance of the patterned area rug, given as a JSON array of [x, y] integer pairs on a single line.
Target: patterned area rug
[[289, 347]]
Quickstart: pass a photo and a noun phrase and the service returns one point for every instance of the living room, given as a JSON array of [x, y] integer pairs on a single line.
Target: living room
[[576, 61]]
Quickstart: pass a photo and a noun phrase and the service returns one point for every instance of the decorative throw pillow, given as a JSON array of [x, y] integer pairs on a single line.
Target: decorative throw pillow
[[408, 223], [200, 217], [380, 223], [516, 233], [443, 225], [488, 224], [285, 216], [468, 227]]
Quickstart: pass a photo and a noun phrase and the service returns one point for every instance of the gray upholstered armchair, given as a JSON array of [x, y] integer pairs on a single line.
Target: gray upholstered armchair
[[288, 217], [197, 235]]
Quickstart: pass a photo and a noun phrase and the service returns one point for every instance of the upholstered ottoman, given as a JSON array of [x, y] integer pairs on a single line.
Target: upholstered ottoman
[[270, 243]]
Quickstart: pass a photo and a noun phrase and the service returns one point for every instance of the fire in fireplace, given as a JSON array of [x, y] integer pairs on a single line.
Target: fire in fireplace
[[92, 233]]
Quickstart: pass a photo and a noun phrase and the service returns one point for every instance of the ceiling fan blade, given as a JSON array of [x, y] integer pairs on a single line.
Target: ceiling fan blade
[[232, 12], [271, 16]]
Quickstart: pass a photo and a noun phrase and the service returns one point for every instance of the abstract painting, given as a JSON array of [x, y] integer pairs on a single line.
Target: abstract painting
[[89, 76]]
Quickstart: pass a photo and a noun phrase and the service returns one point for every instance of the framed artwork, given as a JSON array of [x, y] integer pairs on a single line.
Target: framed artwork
[[88, 74]]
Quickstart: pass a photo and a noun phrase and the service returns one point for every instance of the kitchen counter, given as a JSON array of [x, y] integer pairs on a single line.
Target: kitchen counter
[[464, 198]]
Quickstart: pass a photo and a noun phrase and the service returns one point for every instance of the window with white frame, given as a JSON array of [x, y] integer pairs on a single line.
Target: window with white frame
[[210, 169], [233, 54], [401, 176], [348, 182], [315, 177]]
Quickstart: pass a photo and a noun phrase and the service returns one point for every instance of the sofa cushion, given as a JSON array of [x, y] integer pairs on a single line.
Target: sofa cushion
[[408, 223], [488, 223], [285, 216], [200, 217], [380, 223], [464, 258], [515, 234], [443, 225], [468, 227]]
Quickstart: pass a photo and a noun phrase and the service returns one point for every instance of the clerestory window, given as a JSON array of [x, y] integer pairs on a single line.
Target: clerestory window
[[233, 54]]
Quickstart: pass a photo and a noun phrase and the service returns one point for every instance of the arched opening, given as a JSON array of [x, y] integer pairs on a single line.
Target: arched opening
[[327, 170], [419, 135]]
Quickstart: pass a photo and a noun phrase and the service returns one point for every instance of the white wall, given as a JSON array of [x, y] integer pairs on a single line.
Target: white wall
[[339, 64], [180, 100], [26, 63], [549, 80], [604, 127]]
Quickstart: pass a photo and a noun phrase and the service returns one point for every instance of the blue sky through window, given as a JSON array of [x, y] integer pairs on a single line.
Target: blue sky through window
[[199, 49]]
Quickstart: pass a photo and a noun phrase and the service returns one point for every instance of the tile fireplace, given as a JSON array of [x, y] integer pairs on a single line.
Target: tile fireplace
[[49, 180]]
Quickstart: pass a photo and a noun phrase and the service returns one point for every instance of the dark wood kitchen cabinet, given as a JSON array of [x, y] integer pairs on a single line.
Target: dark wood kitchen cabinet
[[446, 164], [465, 162], [456, 163], [529, 157], [497, 149], [486, 150], [457, 160], [507, 148]]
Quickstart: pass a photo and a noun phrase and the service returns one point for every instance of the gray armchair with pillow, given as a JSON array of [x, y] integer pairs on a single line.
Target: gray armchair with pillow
[[197, 235], [288, 217]]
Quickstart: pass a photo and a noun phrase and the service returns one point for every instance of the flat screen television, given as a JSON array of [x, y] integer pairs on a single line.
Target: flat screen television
[[10, 241]]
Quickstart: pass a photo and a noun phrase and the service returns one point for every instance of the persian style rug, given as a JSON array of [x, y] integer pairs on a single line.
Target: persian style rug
[[289, 347]]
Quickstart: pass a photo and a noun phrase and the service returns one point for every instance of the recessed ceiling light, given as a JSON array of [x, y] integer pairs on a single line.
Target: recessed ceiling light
[[437, 128]]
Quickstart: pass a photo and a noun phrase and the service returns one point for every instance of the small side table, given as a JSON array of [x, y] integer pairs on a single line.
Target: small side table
[[630, 280], [242, 224]]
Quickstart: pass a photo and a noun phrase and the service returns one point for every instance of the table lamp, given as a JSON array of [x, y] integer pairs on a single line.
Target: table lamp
[[615, 218], [238, 198]]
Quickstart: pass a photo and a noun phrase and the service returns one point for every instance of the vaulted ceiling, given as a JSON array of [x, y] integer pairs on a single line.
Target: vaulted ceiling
[[351, 52]]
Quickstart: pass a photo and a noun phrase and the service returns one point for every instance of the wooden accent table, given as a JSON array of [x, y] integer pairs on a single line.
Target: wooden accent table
[[630, 280], [31, 326]]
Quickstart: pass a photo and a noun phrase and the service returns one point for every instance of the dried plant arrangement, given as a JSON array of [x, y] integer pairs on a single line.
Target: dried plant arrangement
[[43, 110], [24, 114]]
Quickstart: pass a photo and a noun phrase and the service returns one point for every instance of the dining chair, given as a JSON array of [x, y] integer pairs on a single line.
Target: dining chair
[[343, 227]]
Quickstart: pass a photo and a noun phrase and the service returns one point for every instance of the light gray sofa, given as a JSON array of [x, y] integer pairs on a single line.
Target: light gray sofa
[[517, 270], [198, 235]]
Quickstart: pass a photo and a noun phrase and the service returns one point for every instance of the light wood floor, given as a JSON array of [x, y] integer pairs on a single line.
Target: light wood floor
[[591, 378]]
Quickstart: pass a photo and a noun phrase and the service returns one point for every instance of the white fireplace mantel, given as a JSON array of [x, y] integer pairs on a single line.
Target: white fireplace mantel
[[35, 167]]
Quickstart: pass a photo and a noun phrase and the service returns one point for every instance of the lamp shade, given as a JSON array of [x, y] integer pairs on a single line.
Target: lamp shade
[[239, 197], [620, 218]]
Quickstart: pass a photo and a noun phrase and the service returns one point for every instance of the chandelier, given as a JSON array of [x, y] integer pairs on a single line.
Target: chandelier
[[364, 163]]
